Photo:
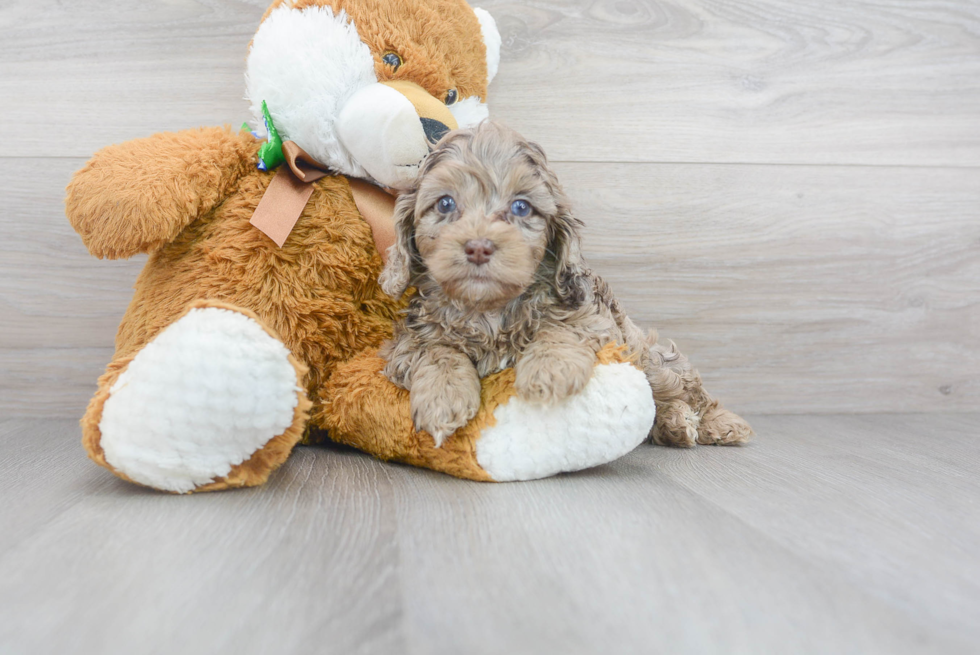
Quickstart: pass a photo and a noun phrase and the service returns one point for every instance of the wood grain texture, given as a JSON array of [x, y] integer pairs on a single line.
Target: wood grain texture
[[864, 82], [799, 288], [828, 534], [92, 564], [794, 289], [837, 489], [761, 81], [53, 382], [787, 188], [53, 294]]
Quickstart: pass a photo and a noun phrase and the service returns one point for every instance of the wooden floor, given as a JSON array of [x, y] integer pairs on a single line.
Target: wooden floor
[[790, 189], [833, 534]]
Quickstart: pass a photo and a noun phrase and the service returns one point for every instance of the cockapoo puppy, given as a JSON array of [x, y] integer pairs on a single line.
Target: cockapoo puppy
[[487, 238]]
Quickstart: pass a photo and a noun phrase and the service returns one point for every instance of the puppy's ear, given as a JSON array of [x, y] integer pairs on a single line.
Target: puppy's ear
[[403, 258], [572, 281], [571, 277]]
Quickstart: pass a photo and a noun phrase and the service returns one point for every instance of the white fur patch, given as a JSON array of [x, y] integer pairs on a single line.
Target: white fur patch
[[306, 64], [491, 39], [382, 131], [468, 112], [611, 417], [202, 397]]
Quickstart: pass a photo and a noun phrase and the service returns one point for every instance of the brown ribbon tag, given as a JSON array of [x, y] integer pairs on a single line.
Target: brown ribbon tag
[[303, 166], [378, 208], [281, 205], [291, 188]]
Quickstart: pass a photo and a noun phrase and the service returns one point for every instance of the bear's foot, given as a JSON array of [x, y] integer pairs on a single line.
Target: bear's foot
[[213, 401], [603, 422], [510, 438]]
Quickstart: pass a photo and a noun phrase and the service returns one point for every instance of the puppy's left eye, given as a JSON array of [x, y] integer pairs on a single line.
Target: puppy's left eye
[[520, 208], [452, 97], [446, 205]]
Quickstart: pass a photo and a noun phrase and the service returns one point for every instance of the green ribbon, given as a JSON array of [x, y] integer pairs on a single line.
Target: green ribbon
[[270, 153]]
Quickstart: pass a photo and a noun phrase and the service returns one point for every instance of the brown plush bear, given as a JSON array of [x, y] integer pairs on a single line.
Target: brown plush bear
[[257, 317]]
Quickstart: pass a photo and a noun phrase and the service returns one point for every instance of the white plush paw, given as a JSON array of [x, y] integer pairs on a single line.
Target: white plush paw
[[202, 397], [609, 418]]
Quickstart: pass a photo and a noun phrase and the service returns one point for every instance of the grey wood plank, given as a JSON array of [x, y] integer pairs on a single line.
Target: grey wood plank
[[867, 82], [633, 558], [305, 564], [845, 534], [49, 382], [798, 289], [793, 288], [53, 294], [888, 501], [88, 72], [43, 467], [756, 81]]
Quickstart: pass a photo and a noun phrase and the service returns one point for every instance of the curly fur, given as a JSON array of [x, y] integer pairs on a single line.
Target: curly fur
[[533, 305]]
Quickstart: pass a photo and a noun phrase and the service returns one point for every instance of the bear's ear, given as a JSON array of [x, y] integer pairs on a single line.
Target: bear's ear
[[491, 39]]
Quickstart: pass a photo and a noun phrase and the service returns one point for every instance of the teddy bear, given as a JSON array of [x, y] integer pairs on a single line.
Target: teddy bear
[[256, 320]]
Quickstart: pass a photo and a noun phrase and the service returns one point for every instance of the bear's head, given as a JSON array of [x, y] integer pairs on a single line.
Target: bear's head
[[366, 86]]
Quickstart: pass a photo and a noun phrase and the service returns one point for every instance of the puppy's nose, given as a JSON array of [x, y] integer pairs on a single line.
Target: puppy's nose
[[478, 251]]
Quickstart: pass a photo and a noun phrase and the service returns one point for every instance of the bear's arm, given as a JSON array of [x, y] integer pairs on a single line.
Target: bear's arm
[[139, 195]]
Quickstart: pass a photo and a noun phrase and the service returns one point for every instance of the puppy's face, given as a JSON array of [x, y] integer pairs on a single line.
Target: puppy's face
[[482, 211]]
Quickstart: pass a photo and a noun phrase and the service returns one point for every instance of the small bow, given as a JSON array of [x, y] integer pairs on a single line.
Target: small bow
[[290, 191]]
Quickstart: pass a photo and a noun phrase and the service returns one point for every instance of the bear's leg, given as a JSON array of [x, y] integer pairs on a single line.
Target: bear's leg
[[510, 438], [213, 401]]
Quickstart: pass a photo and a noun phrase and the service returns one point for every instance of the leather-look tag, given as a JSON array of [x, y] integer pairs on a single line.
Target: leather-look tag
[[291, 188], [378, 208], [281, 205]]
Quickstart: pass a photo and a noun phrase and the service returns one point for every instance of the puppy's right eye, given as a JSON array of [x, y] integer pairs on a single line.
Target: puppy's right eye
[[520, 208], [446, 205]]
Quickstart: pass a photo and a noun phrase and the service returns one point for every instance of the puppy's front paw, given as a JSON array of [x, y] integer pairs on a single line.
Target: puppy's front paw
[[442, 411], [550, 378]]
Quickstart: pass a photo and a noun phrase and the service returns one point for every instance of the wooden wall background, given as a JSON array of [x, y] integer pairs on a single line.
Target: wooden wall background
[[790, 189]]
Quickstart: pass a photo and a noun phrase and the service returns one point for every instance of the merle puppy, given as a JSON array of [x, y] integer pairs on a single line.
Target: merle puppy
[[488, 240]]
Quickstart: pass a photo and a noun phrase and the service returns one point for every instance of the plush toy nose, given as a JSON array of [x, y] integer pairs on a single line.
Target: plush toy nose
[[478, 251], [434, 130], [389, 128], [434, 114]]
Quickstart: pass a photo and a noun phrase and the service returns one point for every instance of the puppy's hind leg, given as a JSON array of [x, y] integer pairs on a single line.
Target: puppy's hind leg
[[721, 427], [686, 413]]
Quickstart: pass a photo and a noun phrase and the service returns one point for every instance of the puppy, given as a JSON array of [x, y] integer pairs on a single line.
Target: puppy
[[487, 238]]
